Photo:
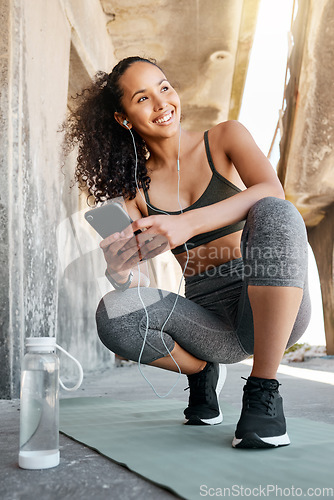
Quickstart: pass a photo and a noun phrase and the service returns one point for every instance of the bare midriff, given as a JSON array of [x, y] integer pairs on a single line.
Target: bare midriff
[[211, 254]]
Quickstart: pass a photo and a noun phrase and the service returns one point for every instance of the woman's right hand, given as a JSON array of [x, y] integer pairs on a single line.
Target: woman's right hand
[[124, 250], [119, 259]]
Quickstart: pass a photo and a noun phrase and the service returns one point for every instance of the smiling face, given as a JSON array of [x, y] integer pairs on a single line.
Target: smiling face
[[151, 104]]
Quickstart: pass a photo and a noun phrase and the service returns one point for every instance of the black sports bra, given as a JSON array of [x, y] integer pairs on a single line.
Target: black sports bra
[[218, 189]]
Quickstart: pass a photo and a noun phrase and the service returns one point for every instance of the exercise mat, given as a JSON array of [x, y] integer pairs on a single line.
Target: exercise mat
[[149, 438]]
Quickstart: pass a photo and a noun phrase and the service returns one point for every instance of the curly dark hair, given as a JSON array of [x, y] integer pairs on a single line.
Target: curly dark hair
[[106, 158]]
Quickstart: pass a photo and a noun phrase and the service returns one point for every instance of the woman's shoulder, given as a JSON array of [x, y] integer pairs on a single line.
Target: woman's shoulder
[[226, 135], [227, 128]]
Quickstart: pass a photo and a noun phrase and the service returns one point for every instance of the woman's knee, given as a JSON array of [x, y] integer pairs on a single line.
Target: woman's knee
[[275, 221], [113, 319], [274, 243], [277, 209], [122, 325]]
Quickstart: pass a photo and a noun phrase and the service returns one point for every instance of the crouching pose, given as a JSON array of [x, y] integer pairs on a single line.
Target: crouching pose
[[214, 199]]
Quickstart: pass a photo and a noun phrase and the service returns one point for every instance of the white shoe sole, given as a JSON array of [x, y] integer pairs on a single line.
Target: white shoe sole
[[220, 385], [252, 440]]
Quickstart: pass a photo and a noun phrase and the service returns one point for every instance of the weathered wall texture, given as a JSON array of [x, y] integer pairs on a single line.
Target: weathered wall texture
[[309, 180], [8, 351], [307, 146], [194, 41], [35, 53]]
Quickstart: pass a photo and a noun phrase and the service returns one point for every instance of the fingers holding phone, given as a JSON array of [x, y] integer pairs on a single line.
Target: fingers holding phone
[[120, 251], [151, 245], [113, 224], [123, 245], [123, 252]]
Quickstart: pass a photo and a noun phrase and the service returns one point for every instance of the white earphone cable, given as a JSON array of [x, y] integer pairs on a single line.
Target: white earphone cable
[[138, 285]]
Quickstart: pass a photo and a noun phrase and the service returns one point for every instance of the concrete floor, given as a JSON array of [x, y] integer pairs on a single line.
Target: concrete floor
[[84, 474]]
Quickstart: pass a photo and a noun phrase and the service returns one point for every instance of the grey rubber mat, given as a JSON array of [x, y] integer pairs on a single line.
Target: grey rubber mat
[[196, 462]]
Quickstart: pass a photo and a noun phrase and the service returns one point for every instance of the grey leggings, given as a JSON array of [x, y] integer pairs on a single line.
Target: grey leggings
[[214, 322]]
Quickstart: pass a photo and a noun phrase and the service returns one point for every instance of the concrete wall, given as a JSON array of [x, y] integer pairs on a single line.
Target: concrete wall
[[36, 40], [30, 173], [7, 351]]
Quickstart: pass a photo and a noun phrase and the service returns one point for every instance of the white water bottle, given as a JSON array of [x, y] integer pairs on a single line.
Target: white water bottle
[[39, 411]]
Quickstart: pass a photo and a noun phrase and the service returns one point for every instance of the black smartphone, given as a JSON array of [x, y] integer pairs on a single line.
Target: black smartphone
[[108, 219]]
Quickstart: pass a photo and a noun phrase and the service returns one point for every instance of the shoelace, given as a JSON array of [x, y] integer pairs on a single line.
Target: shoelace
[[260, 397], [198, 389]]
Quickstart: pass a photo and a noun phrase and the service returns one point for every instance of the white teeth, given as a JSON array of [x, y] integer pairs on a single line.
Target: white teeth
[[164, 119]]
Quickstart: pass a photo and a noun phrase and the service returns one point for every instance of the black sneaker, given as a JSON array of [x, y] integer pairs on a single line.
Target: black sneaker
[[262, 422], [205, 387]]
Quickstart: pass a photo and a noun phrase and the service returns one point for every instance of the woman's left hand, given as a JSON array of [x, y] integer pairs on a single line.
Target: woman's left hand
[[175, 229]]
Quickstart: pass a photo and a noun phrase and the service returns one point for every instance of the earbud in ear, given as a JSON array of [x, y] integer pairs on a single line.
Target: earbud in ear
[[125, 123]]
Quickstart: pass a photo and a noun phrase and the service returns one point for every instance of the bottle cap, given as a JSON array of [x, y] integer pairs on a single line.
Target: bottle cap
[[40, 344]]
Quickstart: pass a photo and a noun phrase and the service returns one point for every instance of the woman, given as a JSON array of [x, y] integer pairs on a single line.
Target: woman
[[245, 258]]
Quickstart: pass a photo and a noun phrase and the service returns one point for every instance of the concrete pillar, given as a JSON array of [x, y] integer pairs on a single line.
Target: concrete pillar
[[8, 351], [321, 238], [37, 40], [35, 50]]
